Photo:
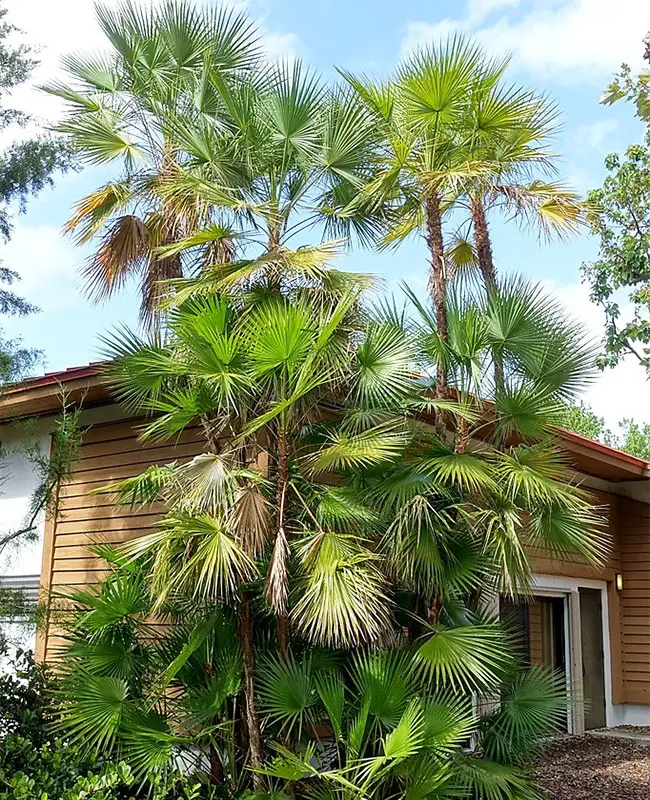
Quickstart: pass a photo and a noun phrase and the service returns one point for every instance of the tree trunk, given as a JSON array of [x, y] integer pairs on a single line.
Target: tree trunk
[[488, 271], [282, 613], [482, 243], [438, 289], [435, 610], [246, 641]]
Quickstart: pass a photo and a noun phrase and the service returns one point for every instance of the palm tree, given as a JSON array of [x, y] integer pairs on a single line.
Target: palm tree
[[287, 157], [123, 108], [246, 372], [374, 531], [399, 716], [422, 159], [503, 455], [400, 729], [509, 128]]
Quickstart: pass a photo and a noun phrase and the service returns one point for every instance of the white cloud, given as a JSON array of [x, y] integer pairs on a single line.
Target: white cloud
[[281, 46], [69, 26], [595, 135], [574, 39], [478, 10]]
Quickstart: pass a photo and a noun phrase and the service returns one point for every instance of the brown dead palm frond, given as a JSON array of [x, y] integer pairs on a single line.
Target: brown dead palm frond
[[250, 520], [123, 250], [552, 208], [94, 210]]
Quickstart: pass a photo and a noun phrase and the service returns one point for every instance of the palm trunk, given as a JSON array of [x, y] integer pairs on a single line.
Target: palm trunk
[[488, 271], [483, 244], [435, 610], [247, 643], [280, 550], [438, 289], [273, 275]]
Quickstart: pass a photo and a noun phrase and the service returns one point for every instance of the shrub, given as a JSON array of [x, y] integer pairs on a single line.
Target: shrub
[[37, 764]]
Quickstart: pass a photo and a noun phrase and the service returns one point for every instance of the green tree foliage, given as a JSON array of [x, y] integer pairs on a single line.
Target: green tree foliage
[[36, 764], [366, 528], [26, 166], [633, 437], [621, 220], [217, 146]]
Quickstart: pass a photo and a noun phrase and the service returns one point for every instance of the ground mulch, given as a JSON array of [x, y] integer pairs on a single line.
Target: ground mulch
[[593, 768]]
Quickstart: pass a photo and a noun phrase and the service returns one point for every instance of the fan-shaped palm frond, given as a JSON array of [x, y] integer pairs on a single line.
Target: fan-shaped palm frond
[[342, 599], [466, 657]]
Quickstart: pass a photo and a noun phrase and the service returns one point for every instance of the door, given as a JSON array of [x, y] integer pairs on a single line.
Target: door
[[593, 664]]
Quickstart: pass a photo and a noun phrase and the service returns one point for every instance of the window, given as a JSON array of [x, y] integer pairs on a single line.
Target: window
[[18, 600]]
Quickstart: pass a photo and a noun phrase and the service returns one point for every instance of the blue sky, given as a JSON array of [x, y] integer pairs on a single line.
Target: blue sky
[[567, 48]]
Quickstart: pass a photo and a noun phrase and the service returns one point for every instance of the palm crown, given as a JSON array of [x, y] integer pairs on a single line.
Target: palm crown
[[123, 108]]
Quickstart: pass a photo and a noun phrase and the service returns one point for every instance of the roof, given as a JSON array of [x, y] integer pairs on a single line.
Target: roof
[[58, 377], [42, 395]]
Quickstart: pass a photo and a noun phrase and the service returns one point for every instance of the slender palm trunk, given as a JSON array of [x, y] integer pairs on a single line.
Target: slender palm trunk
[[246, 641], [486, 265], [435, 610], [482, 243], [438, 289], [280, 551], [273, 275]]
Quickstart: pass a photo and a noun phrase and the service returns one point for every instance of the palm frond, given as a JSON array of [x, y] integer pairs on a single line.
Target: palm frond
[[466, 658], [342, 597]]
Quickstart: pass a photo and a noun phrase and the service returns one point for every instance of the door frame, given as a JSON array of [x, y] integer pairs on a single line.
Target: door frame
[[569, 590]]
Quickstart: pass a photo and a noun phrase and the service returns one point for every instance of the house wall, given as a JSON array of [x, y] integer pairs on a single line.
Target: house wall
[[634, 526], [109, 452], [628, 530]]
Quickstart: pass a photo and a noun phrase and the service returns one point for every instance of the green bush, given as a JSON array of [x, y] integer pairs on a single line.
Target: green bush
[[37, 764]]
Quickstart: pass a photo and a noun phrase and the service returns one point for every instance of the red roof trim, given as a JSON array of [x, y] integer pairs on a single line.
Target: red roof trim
[[51, 378], [605, 449]]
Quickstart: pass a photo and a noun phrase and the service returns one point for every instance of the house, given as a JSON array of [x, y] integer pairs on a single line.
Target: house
[[594, 624]]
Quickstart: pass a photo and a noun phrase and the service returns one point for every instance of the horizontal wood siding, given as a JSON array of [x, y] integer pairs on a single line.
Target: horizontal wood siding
[[535, 649], [112, 452], [634, 525], [108, 453], [573, 566]]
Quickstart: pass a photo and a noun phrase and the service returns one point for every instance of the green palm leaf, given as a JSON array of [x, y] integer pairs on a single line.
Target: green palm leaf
[[287, 692], [465, 658]]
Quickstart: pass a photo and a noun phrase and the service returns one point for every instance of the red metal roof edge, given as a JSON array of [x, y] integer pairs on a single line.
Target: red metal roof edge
[[58, 377], [95, 368], [605, 449]]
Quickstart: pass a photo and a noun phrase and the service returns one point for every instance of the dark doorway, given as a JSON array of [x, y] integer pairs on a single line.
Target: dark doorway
[[539, 628], [593, 664]]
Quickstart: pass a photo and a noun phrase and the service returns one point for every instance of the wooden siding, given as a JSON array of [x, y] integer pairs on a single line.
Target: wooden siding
[[634, 526], [108, 453], [572, 566], [535, 648]]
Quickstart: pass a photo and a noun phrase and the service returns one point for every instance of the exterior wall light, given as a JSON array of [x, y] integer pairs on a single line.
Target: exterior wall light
[[619, 581]]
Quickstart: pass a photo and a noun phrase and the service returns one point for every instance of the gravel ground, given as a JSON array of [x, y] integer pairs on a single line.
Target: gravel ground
[[592, 768]]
